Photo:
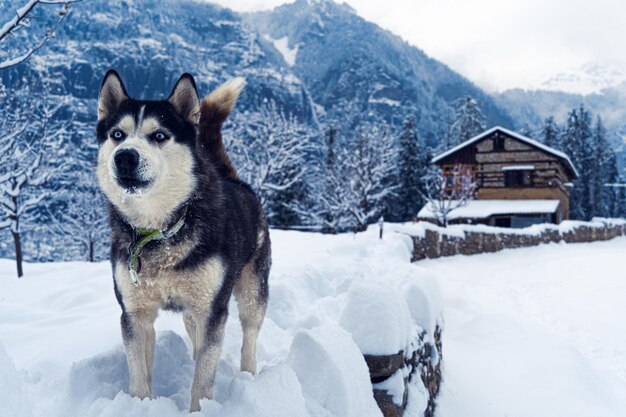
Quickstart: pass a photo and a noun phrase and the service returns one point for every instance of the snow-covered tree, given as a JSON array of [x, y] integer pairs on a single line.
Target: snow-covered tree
[[413, 164], [327, 206], [26, 126], [25, 171], [551, 133], [448, 190], [22, 19], [604, 173], [269, 149], [527, 131], [469, 121], [576, 142], [81, 221], [370, 165]]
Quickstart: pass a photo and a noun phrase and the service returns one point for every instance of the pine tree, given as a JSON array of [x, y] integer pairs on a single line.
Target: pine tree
[[527, 131], [469, 121], [551, 133], [604, 172], [577, 143], [412, 167]]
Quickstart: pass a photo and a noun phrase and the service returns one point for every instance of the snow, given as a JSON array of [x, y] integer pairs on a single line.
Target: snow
[[418, 229], [529, 332], [510, 133], [481, 209], [394, 386], [282, 45], [59, 326], [328, 357], [534, 332], [376, 307], [518, 168], [384, 100]]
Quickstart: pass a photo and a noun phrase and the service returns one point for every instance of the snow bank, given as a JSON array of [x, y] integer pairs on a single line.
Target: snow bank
[[13, 400], [378, 318], [106, 374], [333, 373], [332, 300]]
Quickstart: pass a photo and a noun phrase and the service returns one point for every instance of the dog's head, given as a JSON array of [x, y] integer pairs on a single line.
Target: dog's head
[[146, 157]]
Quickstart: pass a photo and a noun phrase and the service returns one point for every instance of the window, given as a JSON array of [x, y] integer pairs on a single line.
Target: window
[[498, 143], [459, 177], [518, 178]]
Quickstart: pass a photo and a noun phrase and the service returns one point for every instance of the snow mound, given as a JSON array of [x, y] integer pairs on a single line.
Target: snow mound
[[13, 398], [378, 319], [105, 375], [333, 373], [275, 392]]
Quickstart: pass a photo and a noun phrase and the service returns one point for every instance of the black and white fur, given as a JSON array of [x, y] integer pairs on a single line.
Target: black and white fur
[[157, 159]]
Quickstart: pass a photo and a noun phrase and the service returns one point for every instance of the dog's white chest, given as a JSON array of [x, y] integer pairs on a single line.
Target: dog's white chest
[[161, 284]]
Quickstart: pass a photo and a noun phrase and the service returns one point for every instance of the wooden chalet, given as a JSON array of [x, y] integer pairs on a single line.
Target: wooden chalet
[[519, 181]]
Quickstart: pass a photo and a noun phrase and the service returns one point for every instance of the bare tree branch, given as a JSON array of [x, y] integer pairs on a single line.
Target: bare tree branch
[[21, 19], [449, 190]]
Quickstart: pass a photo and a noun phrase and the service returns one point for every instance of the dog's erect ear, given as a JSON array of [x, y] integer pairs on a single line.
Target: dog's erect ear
[[112, 94], [185, 99]]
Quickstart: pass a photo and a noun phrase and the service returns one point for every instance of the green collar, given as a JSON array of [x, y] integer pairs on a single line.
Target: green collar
[[146, 236]]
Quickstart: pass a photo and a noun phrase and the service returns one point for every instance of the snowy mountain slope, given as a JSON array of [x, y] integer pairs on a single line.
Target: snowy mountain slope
[[534, 332], [152, 42], [307, 50], [62, 354], [347, 62]]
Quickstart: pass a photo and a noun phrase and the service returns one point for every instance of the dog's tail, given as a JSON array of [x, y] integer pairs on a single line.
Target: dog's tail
[[214, 110]]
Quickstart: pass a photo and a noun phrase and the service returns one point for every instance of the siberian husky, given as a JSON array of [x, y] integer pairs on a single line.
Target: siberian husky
[[186, 231]]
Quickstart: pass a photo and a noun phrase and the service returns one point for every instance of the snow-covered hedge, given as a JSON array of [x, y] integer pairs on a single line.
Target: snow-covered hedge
[[431, 241], [352, 328]]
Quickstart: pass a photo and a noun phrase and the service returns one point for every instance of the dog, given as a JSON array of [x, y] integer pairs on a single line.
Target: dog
[[187, 233]]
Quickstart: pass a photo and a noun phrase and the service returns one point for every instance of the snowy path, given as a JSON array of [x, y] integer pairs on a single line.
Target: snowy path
[[535, 332]]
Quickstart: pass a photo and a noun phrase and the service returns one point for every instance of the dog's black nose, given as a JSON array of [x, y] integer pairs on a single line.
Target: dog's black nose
[[127, 160]]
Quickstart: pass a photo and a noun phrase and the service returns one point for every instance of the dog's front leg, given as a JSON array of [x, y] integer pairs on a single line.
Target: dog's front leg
[[138, 335], [211, 330]]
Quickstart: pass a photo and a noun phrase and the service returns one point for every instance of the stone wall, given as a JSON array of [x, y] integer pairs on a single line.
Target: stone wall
[[424, 363], [434, 242]]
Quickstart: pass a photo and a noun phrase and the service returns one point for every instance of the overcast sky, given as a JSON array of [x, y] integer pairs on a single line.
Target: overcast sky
[[499, 44]]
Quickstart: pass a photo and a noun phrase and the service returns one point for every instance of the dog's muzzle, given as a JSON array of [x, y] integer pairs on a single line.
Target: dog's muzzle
[[127, 163]]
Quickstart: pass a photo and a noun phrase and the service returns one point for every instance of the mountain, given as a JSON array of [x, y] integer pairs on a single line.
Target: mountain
[[151, 43], [347, 62], [316, 59], [593, 77]]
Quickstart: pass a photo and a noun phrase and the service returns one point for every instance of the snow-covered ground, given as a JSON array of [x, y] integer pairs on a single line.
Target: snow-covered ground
[[534, 332], [331, 297], [528, 332]]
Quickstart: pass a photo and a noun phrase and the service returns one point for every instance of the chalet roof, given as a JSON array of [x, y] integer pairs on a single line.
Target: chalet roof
[[515, 135], [482, 209]]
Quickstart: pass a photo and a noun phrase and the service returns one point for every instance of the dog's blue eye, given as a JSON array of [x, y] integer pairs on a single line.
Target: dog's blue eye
[[159, 136], [117, 134]]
